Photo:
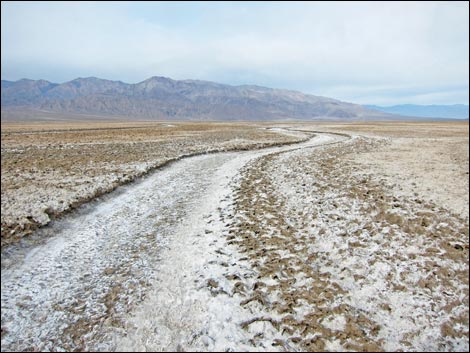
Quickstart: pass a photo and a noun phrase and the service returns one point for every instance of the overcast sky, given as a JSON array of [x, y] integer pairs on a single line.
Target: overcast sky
[[363, 52]]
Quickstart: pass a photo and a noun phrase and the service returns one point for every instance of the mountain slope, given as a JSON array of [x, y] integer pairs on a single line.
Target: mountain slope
[[164, 98], [25, 92]]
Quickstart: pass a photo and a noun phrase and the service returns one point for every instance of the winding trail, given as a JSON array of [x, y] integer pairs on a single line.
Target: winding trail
[[134, 271]]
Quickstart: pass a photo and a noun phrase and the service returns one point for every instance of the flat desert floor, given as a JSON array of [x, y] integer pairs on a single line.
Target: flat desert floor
[[51, 168], [295, 237]]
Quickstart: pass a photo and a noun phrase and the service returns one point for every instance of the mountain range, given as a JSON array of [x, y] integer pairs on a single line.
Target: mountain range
[[161, 98]]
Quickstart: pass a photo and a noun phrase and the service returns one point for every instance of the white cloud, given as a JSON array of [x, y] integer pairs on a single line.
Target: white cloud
[[402, 94], [316, 47]]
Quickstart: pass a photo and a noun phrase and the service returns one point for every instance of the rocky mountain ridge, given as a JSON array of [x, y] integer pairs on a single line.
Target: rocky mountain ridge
[[163, 98]]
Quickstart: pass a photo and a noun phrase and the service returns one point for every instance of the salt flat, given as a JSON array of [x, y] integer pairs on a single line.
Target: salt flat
[[321, 245]]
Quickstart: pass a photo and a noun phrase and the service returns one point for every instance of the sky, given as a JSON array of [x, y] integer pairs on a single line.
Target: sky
[[382, 53]]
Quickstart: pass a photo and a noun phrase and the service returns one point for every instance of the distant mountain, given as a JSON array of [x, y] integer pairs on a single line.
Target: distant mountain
[[24, 92], [456, 111], [164, 98]]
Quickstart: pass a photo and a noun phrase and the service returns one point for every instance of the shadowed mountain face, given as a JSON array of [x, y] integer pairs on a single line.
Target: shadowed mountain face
[[164, 98]]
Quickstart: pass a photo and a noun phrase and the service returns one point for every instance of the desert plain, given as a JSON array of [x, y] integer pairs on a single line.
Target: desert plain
[[235, 236]]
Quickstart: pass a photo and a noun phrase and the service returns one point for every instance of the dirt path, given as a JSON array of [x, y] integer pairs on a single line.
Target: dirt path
[[151, 250], [296, 248]]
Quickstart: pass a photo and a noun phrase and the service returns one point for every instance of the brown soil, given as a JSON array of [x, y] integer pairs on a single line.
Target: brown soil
[[343, 261], [51, 168]]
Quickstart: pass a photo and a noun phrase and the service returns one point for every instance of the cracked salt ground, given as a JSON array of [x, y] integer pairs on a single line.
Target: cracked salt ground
[[342, 264], [140, 253], [99, 264]]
